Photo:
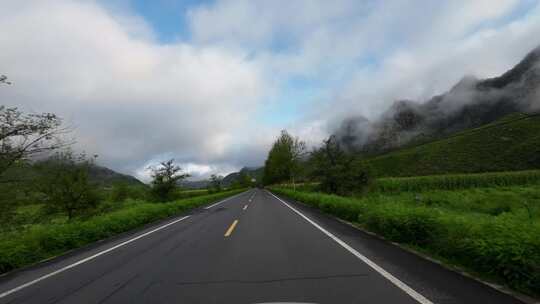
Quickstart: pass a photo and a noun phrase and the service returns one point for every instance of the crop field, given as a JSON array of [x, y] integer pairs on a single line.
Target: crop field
[[457, 181]]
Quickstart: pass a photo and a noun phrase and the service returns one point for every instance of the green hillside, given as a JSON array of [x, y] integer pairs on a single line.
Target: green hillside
[[511, 143]]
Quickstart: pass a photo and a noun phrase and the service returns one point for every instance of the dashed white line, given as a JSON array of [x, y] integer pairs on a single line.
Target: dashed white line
[[408, 290], [4, 294], [223, 201]]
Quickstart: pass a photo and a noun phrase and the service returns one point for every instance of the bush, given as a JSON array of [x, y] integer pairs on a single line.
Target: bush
[[415, 226], [181, 194], [121, 191]]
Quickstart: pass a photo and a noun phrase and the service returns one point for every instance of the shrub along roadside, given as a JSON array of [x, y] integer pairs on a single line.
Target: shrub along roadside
[[40, 242], [504, 248]]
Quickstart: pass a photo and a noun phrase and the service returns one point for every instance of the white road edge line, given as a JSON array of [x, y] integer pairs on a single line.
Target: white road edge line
[[223, 201], [4, 294], [408, 290]]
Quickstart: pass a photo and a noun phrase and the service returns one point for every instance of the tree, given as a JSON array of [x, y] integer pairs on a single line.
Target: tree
[[165, 179], [24, 136], [244, 179], [215, 183], [284, 159], [65, 184], [337, 171], [119, 192]]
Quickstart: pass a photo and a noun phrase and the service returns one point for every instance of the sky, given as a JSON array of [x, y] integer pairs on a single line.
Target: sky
[[212, 83]]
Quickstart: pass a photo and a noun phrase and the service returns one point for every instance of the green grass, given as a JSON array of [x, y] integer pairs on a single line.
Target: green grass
[[492, 232], [512, 143], [180, 194], [41, 241]]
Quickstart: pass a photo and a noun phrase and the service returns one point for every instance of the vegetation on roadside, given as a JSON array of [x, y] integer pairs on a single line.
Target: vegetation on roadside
[[41, 241], [335, 170], [53, 200], [487, 223], [492, 232]]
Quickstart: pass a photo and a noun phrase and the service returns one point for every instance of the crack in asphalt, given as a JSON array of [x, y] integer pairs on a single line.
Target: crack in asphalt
[[271, 280], [117, 289]]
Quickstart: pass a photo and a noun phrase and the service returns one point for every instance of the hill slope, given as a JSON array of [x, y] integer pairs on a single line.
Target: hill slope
[[511, 143], [468, 104], [106, 177], [255, 173]]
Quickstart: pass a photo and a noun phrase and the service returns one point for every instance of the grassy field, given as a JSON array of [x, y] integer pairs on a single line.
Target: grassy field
[[492, 232], [34, 240], [509, 144]]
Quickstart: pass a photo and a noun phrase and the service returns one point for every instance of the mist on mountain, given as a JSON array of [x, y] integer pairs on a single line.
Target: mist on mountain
[[470, 103]]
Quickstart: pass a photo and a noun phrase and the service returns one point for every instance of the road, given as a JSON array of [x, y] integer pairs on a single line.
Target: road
[[252, 248]]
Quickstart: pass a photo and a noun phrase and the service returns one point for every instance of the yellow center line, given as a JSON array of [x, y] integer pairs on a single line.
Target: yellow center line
[[230, 230]]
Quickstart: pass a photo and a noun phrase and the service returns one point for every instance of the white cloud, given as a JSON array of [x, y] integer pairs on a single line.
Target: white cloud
[[128, 97], [135, 101]]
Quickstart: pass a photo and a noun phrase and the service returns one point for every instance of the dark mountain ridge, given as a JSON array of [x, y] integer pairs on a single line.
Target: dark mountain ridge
[[468, 104], [227, 181], [106, 177], [255, 173]]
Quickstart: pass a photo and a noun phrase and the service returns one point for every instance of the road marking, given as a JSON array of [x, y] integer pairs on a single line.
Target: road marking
[[245, 207], [231, 228], [4, 294], [223, 201], [408, 290]]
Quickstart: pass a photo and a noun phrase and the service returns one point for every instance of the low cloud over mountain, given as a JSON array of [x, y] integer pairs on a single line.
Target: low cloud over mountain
[[470, 103]]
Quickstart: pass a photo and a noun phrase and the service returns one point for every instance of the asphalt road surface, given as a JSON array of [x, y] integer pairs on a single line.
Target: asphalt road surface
[[251, 248]]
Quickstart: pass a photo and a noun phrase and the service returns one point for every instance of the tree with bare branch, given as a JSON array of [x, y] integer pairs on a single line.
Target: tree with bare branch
[[25, 136]]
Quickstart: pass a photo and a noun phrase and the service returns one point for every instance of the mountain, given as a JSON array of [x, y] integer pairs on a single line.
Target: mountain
[[470, 103], [199, 184], [97, 174], [106, 177], [508, 144], [228, 180], [255, 173]]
